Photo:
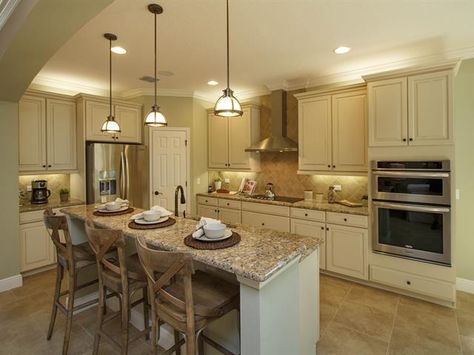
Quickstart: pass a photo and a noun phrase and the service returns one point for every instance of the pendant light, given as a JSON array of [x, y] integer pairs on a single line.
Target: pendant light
[[110, 125], [155, 118], [228, 105]]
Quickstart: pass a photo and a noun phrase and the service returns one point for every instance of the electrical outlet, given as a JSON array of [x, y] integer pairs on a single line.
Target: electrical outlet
[[458, 194], [198, 181], [337, 187], [28, 188], [227, 181]]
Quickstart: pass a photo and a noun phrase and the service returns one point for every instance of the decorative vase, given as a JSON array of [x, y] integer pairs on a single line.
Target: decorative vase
[[217, 185]]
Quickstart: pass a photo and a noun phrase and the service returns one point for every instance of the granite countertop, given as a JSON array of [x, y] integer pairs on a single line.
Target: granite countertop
[[259, 255], [29, 207], [311, 204]]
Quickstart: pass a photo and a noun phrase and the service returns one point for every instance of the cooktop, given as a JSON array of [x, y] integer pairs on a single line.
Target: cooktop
[[277, 198]]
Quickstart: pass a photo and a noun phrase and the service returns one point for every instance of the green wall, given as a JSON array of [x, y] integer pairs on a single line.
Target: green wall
[[464, 169]]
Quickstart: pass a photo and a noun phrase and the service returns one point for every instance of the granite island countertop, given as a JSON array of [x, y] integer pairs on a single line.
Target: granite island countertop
[[308, 204], [260, 254], [29, 207]]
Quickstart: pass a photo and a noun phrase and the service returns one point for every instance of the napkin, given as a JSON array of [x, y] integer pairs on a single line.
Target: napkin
[[163, 211], [118, 199], [199, 231]]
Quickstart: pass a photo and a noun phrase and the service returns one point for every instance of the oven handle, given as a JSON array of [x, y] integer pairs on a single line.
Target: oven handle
[[413, 208], [410, 174]]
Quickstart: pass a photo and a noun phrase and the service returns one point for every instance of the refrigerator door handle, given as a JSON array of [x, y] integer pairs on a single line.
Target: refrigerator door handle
[[122, 176], [127, 177]]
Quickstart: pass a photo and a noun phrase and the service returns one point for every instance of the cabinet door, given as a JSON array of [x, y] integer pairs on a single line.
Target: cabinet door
[[312, 229], [218, 138], [430, 109], [61, 135], [349, 129], [314, 133], [281, 224], [346, 251], [227, 215], [239, 139], [130, 121], [32, 134], [96, 114], [207, 211], [36, 246], [388, 112]]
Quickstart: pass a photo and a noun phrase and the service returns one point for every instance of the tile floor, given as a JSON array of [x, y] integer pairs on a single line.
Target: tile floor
[[354, 320]]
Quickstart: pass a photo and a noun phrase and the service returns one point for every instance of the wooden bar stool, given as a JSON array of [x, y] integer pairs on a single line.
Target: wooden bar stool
[[123, 276], [186, 300], [72, 259]]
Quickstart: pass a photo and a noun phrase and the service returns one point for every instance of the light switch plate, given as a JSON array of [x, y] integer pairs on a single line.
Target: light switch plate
[[28, 188], [337, 187], [227, 181], [198, 181], [458, 194]]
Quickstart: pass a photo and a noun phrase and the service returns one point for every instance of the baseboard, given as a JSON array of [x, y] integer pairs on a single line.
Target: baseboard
[[11, 282], [465, 285]]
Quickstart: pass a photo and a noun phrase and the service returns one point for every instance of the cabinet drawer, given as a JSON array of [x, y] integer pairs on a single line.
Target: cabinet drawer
[[234, 204], [411, 282], [35, 216], [313, 215], [278, 223], [347, 219], [209, 201], [266, 208], [230, 216]]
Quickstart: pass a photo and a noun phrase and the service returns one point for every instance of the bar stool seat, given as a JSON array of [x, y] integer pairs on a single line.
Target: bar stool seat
[[136, 276], [82, 254]]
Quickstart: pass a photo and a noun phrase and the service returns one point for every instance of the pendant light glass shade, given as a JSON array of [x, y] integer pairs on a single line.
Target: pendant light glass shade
[[227, 105], [155, 118], [110, 125]]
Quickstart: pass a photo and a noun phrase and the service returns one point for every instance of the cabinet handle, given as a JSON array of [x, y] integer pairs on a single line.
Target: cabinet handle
[[157, 193], [49, 166], [44, 166], [411, 139], [322, 228], [404, 139], [408, 283], [263, 223], [345, 219], [329, 166], [207, 201], [306, 215], [327, 228], [216, 211], [228, 204], [333, 166]]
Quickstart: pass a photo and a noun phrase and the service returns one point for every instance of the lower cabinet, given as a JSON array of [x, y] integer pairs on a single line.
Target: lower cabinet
[[347, 250], [278, 223], [226, 215], [36, 247], [312, 229]]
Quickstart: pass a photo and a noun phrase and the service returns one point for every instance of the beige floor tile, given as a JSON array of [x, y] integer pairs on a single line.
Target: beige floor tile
[[426, 306], [333, 294], [465, 301], [326, 315], [329, 280], [420, 341], [465, 323], [467, 345], [338, 340], [365, 319], [369, 296]]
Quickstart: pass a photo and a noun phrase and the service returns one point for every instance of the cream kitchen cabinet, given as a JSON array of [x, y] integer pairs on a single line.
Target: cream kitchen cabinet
[[128, 116], [332, 131], [228, 138], [208, 211], [47, 134], [410, 110], [312, 229], [278, 223], [228, 211]]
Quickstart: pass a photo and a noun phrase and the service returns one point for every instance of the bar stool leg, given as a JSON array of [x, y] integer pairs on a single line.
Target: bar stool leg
[[125, 318], [70, 311], [190, 343], [176, 341], [57, 291], [146, 309], [100, 319], [200, 341]]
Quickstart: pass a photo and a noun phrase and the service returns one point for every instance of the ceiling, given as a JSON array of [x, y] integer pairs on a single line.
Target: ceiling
[[274, 44]]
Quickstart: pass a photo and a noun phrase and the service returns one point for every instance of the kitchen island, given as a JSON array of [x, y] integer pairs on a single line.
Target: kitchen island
[[278, 275]]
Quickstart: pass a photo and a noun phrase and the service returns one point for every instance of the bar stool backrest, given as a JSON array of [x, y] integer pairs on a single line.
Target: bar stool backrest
[[54, 224]]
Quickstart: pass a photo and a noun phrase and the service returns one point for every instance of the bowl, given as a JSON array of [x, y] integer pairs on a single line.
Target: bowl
[[151, 215], [113, 206], [214, 230]]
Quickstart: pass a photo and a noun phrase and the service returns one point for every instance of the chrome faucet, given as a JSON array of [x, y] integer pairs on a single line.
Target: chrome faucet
[[182, 201]]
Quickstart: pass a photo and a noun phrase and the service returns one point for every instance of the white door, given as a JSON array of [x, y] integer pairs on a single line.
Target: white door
[[349, 129], [61, 134], [130, 121], [312, 229], [388, 112], [218, 138], [168, 166], [239, 139], [314, 133]]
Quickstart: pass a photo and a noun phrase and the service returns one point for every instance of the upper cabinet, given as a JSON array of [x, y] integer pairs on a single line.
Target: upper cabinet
[[412, 108], [229, 137], [332, 131], [128, 116], [47, 134]]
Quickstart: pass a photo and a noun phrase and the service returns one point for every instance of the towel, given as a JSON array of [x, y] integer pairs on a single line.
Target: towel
[[163, 211], [199, 231], [118, 199]]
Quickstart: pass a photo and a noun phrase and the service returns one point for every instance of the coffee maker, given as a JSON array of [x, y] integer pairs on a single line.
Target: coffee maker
[[39, 191]]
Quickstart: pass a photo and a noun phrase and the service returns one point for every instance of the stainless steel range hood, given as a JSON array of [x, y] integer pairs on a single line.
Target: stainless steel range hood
[[278, 141]]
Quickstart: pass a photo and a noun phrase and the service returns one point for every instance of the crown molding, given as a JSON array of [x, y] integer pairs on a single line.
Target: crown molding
[[6, 10], [44, 83], [132, 93]]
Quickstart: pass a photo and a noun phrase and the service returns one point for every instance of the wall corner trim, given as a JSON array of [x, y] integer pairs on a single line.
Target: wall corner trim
[[11, 282], [465, 285]]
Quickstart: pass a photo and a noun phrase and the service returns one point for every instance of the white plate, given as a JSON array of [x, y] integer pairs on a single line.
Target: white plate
[[121, 209], [227, 235], [142, 221]]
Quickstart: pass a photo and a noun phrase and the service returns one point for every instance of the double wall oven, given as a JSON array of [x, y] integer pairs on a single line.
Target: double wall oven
[[411, 208]]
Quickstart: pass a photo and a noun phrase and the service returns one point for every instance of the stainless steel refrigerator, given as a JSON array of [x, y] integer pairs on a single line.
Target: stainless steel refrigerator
[[117, 170]]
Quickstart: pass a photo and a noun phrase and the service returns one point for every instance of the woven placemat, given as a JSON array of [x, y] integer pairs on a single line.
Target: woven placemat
[[197, 244], [118, 213], [169, 222]]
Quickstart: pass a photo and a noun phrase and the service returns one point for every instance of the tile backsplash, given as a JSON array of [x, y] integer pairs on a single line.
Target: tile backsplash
[[56, 182], [280, 169]]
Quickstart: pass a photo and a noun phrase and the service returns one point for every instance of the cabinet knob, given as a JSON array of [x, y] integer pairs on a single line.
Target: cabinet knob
[[49, 166], [44, 166], [329, 166], [404, 139], [228, 204], [345, 219], [333, 166], [306, 215], [263, 223], [408, 283], [327, 228], [207, 201], [411, 139], [157, 193], [322, 228], [216, 211]]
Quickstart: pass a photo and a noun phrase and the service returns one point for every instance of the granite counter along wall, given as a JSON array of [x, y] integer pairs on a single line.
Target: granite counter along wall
[[56, 182]]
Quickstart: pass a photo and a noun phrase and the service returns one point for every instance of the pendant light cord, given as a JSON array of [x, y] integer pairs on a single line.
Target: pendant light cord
[[228, 65], [110, 77], [156, 65]]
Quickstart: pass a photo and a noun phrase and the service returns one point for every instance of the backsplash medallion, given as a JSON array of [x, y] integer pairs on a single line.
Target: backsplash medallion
[[56, 182]]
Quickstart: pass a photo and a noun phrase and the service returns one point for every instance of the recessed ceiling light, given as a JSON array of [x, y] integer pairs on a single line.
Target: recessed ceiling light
[[342, 50], [118, 50], [212, 82]]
